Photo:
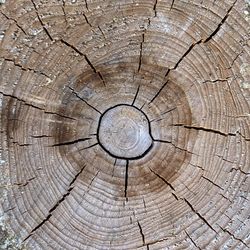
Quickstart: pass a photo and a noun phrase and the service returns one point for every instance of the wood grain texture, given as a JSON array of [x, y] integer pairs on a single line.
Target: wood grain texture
[[182, 66]]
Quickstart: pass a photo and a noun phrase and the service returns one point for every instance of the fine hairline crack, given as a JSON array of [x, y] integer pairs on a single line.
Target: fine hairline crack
[[63, 197]]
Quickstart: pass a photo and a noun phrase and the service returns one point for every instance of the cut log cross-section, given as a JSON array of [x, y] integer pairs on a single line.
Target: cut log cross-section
[[124, 124]]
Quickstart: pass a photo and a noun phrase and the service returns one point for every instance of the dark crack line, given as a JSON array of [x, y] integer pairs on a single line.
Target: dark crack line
[[12, 19], [77, 95], [212, 182], [141, 48], [126, 180], [86, 5], [192, 240], [63, 116], [201, 40], [68, 192], [141, 232], [26, 69], [155, 7], [158, 92], [40, 136], [220, 24], [199, 215], [170, 142], [172, 5], [36, 107], [136, 94], [64, 12], [234, 237], [70, 142], [91, 146], [162, 114], [86, 59], [26, 182], [86, 19], [164, 180], [204, 129], [41, 21]]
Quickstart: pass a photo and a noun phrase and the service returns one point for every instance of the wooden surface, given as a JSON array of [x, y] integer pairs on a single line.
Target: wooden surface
[[171, 78]]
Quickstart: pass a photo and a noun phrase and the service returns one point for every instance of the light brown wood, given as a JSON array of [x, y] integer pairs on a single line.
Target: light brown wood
[[170, 78]]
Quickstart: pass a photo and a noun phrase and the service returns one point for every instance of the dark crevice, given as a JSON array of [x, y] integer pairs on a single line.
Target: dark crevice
[[56, 205], [126, 180], [41, 22], [21, 100], [220, 24], [164, 180], [204, 129], [26, 182], [101, 32], [158, 92], [70, 142], [86, 59], [86, 19], [91, 146], [212, 182], [175, 196], [141, 48], [86, 5], [76, 94], [63, 116], [172, 5], [136, 94], [170, 142], [64, 12], [199, 215], [201, 40], [21, 144], [26, 68], [72, 47], [155, 7], [36, 107], [142, 235], [239, 169], [192, 240], [17, 24], [40, 136], [234, 237], [162, 114]]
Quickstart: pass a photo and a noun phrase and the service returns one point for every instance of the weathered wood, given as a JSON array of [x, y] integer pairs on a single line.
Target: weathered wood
[[170, 78]]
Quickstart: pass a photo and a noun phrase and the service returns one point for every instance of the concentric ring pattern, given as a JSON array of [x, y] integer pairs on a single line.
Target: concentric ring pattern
[[184, 64]]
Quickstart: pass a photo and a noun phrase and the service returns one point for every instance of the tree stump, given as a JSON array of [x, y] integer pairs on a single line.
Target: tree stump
[[124, 124]]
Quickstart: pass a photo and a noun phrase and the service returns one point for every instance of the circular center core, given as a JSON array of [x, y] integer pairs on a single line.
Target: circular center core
[[124, 132]]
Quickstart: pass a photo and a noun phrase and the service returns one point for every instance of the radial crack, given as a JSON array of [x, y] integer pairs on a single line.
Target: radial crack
[[236, 238], [204, 129], [158, 92], [136, 94], [17, 24], [41, 21], [70, 142], [199, 215], [164, 180], [24, 68], [86, 19], [141, 48], [212, 182], [50, 212], [192, 240], [172, 5], [126, 180], [141, 232], [155, 7], [76, 94], [220, 24]]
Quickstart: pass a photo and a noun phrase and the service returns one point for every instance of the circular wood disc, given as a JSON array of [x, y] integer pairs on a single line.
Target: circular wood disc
[[124, 124]]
